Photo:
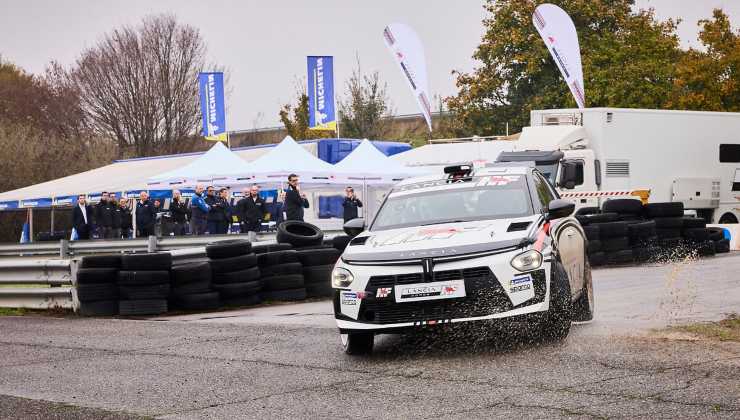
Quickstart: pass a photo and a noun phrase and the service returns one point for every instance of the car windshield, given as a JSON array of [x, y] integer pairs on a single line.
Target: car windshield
[[483, 198]]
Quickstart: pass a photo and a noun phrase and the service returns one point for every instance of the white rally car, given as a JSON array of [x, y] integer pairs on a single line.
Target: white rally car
[[472, 245]]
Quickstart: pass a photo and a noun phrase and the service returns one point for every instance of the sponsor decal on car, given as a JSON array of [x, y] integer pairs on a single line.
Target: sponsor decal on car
[[383, 292], [520, 284], [429, 291], [349, 298]]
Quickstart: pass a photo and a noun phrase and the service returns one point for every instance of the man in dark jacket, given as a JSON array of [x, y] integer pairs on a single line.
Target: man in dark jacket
[[117, 216], [178, 213], [350, 204], [217, 213], [228, 210], [104, 216], [198, 212], [126, 219], [295, 200], [251, 210], [82, 216], [146, 216]]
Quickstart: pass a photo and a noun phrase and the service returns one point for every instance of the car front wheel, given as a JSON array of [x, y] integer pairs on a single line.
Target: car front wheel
[[358, 343], [556, 325]]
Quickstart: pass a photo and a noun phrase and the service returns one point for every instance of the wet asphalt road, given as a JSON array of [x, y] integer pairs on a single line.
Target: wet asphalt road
[[285, 362]]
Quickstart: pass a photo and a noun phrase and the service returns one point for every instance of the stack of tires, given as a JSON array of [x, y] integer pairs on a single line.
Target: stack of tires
[[696, 236], [596, 256], [643, 239], [668, 218], [627, 209], [235, 274], [192, 289], [96, 287], [144, 284], [614, 242], [282, 275], [340, 242], [721, 244], [317, 267]]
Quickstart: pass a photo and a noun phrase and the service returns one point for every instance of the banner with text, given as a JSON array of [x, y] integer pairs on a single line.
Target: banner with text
[[559, 33], [212, 105], [408, 52], [321, 112]]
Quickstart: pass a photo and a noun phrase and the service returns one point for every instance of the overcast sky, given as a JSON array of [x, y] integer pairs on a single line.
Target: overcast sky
[[263, 44]]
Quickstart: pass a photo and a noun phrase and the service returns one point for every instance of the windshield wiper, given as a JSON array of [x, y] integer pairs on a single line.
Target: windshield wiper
[[443, 222]]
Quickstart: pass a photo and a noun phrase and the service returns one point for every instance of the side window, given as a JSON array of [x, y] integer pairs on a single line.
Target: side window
[[736, 182], [544, 192], [729, 153], [579, 172]]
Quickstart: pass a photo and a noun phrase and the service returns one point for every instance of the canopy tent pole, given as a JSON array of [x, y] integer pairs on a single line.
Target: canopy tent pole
[[30, 225], [51, 224]]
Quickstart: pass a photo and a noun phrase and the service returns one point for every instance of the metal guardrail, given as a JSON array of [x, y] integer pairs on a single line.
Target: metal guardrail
[[42, 275]]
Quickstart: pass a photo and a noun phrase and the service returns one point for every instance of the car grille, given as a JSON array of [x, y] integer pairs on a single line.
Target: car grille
[[484, 297]]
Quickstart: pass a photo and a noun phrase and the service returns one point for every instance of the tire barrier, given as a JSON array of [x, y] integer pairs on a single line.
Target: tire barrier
[[235, 274], [624, 231], [144, 284]]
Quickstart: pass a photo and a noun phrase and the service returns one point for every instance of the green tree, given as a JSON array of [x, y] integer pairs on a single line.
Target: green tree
[[365, 110], [709, 79], [628, 61], [296, 121]]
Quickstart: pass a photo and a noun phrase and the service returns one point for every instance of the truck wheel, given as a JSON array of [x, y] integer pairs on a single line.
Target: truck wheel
[[358, 343], [583, 308], [557, 321], [727, 219]]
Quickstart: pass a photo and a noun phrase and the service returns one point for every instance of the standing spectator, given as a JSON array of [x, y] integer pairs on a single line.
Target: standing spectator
[[126, 218], [251, 210], [178, 213], [99, 230], [199, 212], [295, 200], [216, 213], [106, 208], [146, 216], [117, 216], [229, 211], [82, 218], [350, 204]]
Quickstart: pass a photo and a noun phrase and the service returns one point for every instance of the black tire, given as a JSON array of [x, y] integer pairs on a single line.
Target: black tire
[[282, 269], [592, 232], [96, 275], [250, 300], [313, 257], [299, 233], [583, 308], [200, 286], [593, 246], [198, 301], [668, 234], [620, 257], [706, 249], [716, 234], [340, 242], [615, 244], [155, 291], [322, 246], [290, 294], [229, 265], [630, 219], [156, 261], [227, 291], [261, 249], [671, 242], [583, 220], [583, 211], [250, 274], [191, 273], [722, 246], [319, 290], [142, 307], [101, 261], [556, 324], [654, 210], [696, 234], [668, 222], [612, 230], [623, 206], [228, 249], [641, 230], [277, 257], [357, 343], [99, 308], [601, 218], [643, 254], [320, 274], [142, 278], [286, 282], [597, 259], [694, 222], [96, 292]]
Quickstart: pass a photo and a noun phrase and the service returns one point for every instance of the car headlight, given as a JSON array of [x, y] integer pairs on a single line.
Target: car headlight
[[527, 261], [341, 277]]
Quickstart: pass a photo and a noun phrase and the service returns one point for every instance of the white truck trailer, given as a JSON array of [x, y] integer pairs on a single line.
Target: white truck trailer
[[601, 153]]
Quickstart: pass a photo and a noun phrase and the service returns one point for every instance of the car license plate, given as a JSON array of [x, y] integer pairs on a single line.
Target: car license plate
[[430, 291]]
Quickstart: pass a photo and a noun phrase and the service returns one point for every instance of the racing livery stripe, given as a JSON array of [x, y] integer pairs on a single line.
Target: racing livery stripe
[[541, 235]]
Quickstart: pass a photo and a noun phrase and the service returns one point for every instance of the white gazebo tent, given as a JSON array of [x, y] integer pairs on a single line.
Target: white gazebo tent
[[288, 157], [219, 165]]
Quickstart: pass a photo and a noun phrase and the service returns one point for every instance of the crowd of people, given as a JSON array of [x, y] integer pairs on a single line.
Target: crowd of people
[[209, 211]]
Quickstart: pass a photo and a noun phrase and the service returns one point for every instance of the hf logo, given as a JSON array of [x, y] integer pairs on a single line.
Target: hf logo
[[383, 292]]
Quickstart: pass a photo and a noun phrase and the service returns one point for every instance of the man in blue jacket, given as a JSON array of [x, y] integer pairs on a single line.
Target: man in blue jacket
[[198, 212], [146, 216]]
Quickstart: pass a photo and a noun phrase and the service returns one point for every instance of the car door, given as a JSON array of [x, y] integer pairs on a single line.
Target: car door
[[567, 238]]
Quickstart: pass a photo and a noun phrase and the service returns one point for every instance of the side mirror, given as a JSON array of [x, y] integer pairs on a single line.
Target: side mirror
[[354, 227], [568, 175], [559, 208]]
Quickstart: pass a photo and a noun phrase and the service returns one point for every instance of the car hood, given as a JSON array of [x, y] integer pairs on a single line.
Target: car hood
[[443, 240]]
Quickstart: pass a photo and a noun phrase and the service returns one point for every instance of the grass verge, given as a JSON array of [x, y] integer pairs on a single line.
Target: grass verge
[[727, 329]]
